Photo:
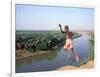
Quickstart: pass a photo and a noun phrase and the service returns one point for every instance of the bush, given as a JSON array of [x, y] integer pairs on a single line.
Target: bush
[[34, 41]]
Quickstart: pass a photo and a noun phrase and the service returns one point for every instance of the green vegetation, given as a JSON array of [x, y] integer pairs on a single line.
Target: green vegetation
[[33, 41], [91, 43], [39, 40]]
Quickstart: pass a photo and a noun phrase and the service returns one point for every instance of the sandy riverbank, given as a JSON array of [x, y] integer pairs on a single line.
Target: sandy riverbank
[[88, 65], [24, 54]]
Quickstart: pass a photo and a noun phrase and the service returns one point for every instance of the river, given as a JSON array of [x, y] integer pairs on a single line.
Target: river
[[54, 59]]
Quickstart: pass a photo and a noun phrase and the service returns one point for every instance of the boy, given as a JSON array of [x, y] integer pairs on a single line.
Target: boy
[[69, 41]]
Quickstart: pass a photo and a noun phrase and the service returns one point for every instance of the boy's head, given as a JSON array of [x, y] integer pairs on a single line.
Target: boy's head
[[66, 28]]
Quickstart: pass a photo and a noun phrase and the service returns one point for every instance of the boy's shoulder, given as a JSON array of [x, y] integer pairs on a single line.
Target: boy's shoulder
[[70, 32]]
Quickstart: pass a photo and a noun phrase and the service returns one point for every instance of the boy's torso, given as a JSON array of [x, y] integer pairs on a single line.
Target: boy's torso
[[68, 35]]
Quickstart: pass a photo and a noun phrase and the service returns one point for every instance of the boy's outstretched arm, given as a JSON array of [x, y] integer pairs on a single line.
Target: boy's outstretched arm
[[61, 29]]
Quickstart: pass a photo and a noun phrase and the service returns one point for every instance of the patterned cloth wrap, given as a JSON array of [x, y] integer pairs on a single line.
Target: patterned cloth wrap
[[68, 44]]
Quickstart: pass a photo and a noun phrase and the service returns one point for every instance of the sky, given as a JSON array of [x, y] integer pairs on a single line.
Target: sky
[[36, 17]]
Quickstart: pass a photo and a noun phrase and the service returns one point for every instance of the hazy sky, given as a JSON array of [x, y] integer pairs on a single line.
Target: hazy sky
[[30, 17]]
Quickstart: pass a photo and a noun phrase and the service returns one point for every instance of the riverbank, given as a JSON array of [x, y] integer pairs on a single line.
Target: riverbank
[[21, 54], [88, 65]]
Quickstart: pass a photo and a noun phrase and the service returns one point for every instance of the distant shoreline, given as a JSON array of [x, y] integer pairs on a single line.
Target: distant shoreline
[[55, 30]]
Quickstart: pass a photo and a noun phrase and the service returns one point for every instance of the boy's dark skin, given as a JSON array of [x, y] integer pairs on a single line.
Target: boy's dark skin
[[67, 32], [69, 35]]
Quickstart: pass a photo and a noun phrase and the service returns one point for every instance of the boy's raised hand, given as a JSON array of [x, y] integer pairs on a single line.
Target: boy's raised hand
[[59, 25]]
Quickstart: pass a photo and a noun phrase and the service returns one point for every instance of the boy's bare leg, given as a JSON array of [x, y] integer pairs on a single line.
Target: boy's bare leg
[[75, 55], [68, 54]]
